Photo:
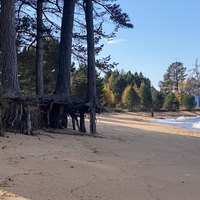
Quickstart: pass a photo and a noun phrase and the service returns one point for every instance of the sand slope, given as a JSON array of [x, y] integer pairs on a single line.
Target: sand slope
[[133, 159]]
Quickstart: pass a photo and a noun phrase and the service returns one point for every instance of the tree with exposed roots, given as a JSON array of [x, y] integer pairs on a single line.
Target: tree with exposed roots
[[26, 113]]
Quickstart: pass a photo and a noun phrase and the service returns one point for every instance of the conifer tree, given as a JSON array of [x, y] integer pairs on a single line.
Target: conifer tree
[[157, 99], [173, 77], [169, 101], [8, 44], [132, 99], [27, 57], [145, 95], [189, 101], [63, 78], [39, 50], [117, 86]]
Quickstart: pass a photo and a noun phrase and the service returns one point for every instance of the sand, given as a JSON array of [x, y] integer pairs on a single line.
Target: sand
[[133, 158]]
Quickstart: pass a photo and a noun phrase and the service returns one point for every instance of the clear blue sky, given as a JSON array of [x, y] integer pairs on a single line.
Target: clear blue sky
[[165, 31]]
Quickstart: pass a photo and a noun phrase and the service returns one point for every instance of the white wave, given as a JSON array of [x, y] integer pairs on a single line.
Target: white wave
[[183, 118], [187, 119], [182, 121], [196, 125]]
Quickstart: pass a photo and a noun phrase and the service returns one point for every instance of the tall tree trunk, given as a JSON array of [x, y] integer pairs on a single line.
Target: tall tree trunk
[[91, 91], [39, 50], [82, 121], [63, 78], [9, 52]]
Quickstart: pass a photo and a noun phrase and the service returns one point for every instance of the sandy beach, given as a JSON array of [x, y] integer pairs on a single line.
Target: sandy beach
[[132, 158]]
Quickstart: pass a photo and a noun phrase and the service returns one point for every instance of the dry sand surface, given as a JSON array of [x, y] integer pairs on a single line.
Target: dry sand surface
[[133, 158]]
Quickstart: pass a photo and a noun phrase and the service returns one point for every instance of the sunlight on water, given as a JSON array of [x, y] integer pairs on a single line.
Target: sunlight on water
[[183, 121]]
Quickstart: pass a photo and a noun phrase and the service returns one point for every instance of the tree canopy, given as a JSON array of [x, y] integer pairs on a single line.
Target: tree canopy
[[174, 77]]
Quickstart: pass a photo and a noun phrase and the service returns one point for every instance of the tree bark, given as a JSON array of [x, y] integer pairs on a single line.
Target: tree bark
[[91, 91], [39, 50], [63, 78], [9, 53], [82, 121]]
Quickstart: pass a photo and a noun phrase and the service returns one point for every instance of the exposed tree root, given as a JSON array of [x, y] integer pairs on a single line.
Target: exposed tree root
[[26, 114]]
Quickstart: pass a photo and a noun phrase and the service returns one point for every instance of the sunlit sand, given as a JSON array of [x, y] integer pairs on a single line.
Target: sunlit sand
[[134, 158]]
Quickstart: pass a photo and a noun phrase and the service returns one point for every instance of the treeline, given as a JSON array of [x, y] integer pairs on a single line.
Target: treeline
[[135, 92], [178, 88], [117, 89], [127, 90]]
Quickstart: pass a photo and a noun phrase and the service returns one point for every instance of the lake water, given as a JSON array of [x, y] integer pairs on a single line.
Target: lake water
[[183, 121]]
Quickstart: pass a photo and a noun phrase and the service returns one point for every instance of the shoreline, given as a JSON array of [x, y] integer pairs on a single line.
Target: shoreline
[[144, 121]]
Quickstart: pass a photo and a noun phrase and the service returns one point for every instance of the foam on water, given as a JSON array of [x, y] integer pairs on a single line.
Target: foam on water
[[182, 121], [196, 125]]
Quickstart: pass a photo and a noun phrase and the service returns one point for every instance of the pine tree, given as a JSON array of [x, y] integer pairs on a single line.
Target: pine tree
[[39, 50], [189, 101], [79, 84], [169, 101], [26, 75], [8, 44], [63, 78], [27, 57], [173, 77], [132, 99], [118, 85], [145, 95], [157, 99]]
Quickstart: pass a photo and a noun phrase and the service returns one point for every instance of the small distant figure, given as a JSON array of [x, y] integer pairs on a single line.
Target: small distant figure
[[152, 112]]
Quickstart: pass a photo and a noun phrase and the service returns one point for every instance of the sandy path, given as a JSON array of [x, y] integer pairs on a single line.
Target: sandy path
[[134, 159]]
